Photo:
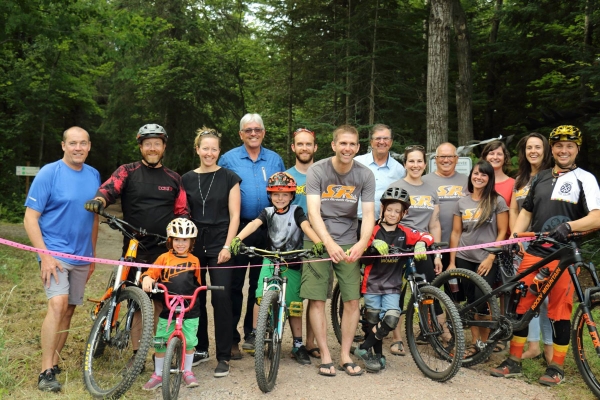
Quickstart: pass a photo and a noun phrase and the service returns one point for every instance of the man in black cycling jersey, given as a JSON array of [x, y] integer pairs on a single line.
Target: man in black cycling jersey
[[561, 200], [151, 197]]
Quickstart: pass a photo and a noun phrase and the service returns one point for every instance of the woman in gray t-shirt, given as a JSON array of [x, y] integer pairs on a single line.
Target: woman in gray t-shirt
[[480, 217]]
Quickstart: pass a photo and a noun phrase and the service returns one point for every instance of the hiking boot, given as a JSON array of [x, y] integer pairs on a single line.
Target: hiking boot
[[222, 369], [508, 369], [154, 383], [554, 376], [56, 369], [189, 379], [47, 381], [248, 345], [301, 355], [382, 361], [371, 364], [200, 357], [236, 354]]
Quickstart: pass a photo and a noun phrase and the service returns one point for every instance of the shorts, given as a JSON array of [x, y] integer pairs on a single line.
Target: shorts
[[292, 290], [308, 244], [382, 302], [70, 282], [189, 329], [315, 278], [560, 298]]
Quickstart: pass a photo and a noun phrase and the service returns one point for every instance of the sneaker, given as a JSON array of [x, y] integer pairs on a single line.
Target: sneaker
[[47, 381], [154, 383], [200, 357], [222, 369], [508, 369], [554, 376], [189, 379], [382, 361], [371, 364], [301, 355], [56, 369], [236, 354], [248, 345]]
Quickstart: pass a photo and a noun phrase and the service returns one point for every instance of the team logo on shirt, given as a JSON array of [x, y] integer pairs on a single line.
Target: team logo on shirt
[[449, 191], [473, 215], [301, 190], [173, 271], [421, 202], [566, 188], [166, 188], [339, 193], [522, 193]]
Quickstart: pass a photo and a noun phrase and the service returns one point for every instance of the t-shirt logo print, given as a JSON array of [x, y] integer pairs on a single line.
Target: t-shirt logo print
[[449, 191], [339, 193], [566, 188]]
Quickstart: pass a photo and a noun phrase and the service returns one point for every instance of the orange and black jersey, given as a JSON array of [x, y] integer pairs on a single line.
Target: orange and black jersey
[[150, 198], [183, 278], [383, 275]]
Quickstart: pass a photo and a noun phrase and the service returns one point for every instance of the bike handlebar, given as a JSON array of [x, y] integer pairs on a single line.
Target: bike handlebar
[[434, 246], [542, 235], [126, 228], [280, 255], [160, 288]]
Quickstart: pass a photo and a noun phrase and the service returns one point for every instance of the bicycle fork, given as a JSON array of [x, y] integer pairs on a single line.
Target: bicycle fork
[[585, 305]]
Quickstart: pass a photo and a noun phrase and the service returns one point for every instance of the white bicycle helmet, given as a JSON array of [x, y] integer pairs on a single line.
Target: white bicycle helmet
[[182, 228]]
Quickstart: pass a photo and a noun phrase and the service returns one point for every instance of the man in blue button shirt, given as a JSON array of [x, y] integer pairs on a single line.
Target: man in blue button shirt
[[254, 165], [385, 168]]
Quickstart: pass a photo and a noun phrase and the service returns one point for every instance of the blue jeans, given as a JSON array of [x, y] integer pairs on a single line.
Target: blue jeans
[[382, 302]]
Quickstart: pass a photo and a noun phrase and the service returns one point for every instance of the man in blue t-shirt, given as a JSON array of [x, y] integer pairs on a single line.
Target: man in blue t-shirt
[[56, 220], [254, 164]]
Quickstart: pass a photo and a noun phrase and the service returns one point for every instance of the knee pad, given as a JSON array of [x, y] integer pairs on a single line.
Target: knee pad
[[561, 330], [372, 316], [388, 324], [295, 309]]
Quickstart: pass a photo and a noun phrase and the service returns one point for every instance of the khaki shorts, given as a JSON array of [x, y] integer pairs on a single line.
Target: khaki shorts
[[315, 278], [308, 245]]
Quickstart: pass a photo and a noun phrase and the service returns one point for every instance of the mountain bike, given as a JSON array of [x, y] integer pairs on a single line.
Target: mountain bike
[[584, 334], [272, 315], [434, 331], [175, 355], [110, 365]]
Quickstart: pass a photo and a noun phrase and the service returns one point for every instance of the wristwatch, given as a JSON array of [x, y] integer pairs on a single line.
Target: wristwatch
[[438, 255]]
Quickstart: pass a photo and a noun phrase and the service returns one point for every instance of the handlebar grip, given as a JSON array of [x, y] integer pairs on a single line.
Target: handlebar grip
[[440, 244], [583, 233], [215, 288], [525, 234]]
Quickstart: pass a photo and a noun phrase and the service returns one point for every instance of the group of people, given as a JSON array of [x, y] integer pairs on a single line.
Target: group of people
[[338, 207]]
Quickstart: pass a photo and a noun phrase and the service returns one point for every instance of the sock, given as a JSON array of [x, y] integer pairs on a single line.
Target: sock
[[378, 347], [189, 359], [517, 344], [158, 365], [369, 341], [558, 357], [298, 342]]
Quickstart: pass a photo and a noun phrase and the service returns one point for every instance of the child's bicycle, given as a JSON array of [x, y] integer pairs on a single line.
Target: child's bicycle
[[110, 366], [272, 315], [586, 345], [175, 355], [429, 318]]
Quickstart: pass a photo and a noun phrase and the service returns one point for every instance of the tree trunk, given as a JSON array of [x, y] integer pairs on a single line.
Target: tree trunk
[[372, 89], [290, 106], [348, 88], [588, 53], [437, 73], [488, 124], [464, 84]]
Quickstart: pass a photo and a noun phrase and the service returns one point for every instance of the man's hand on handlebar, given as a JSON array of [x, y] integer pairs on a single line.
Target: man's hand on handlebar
[[94, 205], [561, 232]]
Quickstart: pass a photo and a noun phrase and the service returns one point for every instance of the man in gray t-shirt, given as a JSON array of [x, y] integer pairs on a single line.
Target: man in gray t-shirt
[[333, 188]]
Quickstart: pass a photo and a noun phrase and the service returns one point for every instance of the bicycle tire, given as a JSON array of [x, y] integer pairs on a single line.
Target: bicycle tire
[[465, 275], [437, 360], [110, 374], [267, 351], [584, 353], [336, 309], [172, 369]]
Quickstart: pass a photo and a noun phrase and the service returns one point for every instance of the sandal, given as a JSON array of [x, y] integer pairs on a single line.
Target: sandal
[[500, 346], [314, 353], [346, 368], [400, 351], [470, 351], [328, 367]]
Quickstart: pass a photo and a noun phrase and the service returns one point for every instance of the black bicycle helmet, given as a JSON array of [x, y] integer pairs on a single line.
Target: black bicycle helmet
[[152, 131], [395, 194]]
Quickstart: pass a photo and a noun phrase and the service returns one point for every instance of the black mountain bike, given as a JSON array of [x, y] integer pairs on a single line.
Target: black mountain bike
[[584, 334], [434, 331]]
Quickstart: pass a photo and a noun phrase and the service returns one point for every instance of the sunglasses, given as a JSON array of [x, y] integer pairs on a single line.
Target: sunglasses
[[414, 147], [210, 132], [563, 137], [300, 130], [248, 131]]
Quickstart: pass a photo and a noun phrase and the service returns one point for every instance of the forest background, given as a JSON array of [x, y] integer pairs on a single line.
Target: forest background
[[436, 70]]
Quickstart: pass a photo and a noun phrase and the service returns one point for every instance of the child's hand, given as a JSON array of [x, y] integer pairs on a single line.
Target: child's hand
[[381, 247], [235, 245], [318, 249], [420, 250], [147, 284]]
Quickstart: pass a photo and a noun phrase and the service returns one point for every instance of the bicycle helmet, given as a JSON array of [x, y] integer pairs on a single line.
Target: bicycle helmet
[[151, 131], [281, 182], [565, 133], [394, 194], [182, 228]]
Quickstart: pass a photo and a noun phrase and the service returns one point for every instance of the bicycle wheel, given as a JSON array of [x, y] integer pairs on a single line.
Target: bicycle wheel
[[110, 373], [436, 320], [492, 309], [336, 311], [586, 358], [267, 345], [172, 369]]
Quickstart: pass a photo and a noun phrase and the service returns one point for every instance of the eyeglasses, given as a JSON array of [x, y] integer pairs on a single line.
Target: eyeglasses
[[210, 132], [248, 131], [414, 147], [381, 139], [300, 130], [445, 157]]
